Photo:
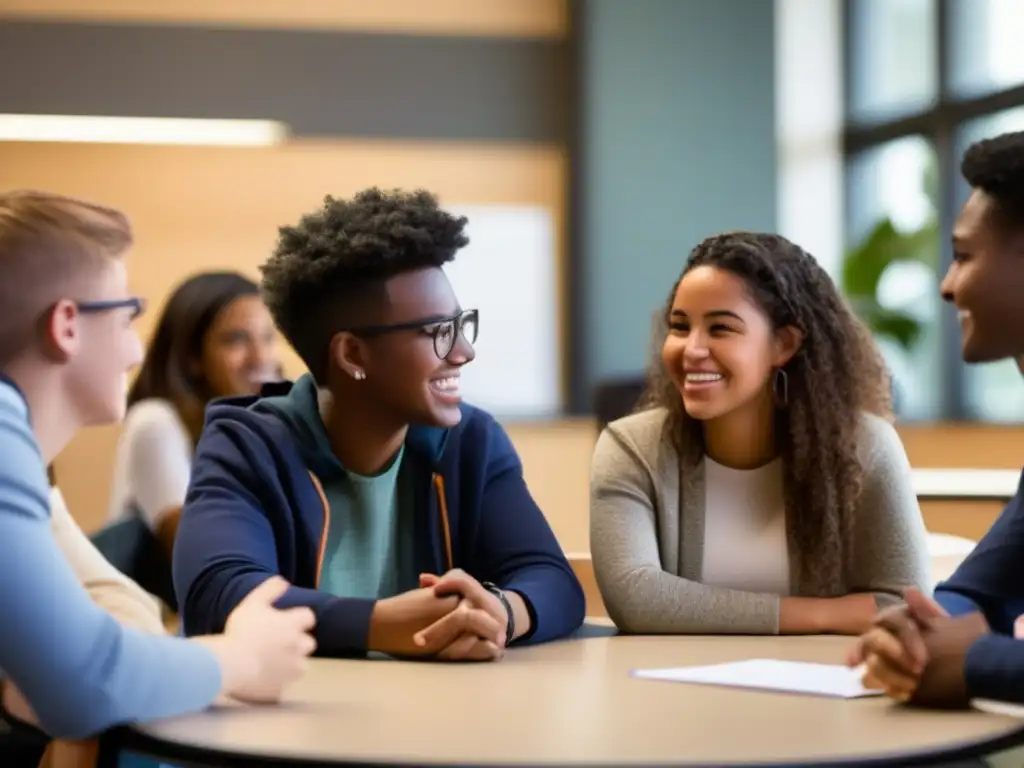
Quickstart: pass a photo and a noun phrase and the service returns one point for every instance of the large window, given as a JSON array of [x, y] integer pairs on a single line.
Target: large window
[[985, 52], [900, 74], [924, 79], [888, 183]]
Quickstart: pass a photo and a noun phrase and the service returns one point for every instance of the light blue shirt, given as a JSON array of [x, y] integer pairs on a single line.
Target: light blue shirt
[[79, 669], [369, 548], [361, 557]]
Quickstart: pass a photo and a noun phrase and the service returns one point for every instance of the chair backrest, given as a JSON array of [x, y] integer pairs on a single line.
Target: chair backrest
[[616, 398], [20, 746], [947, 552], [583, 567], [948, 545], [130, 547]]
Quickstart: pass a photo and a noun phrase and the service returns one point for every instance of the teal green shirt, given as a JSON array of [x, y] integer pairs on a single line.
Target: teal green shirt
[[369, 550]]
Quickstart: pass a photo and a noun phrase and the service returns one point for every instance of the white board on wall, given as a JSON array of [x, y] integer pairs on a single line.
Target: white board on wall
[[509, 271]]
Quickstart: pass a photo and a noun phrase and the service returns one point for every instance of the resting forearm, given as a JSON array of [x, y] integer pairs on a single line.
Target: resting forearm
[[994, 669], [656, 602], [847, 615]]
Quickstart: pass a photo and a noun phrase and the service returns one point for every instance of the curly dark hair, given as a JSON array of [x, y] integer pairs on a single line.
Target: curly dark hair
[[836, 374], [328, 272], [996, 166]]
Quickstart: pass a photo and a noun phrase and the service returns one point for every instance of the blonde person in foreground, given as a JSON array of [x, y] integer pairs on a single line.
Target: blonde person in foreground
[[66, 345], [765, 490]]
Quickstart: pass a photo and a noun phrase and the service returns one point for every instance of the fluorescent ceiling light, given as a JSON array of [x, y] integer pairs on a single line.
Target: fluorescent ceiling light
[[141, 130]]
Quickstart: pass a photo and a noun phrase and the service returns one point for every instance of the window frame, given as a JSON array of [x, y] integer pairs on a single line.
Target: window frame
[[939, 124]]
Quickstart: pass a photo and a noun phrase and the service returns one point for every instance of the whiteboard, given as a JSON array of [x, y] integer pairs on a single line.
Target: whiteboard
[[509, 271]]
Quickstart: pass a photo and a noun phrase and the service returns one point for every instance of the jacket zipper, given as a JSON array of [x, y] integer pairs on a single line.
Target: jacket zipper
[[322, 549], [446, 530], [442, 505]]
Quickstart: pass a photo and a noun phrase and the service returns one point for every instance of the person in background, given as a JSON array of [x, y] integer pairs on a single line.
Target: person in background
[[761, 488], [397, 512], [214, 338], [67, 341], [943, 652]]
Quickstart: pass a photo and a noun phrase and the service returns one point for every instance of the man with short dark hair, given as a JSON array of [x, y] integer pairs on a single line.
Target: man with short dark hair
[[397, 512], [959, 646]]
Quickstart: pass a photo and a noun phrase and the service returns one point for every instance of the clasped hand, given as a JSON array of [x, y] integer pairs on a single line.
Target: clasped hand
[[916, 652], [450, 617]]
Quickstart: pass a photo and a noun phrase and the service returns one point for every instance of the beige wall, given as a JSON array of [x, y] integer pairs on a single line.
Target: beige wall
[[969, 445], [556, 462], [970, 519]]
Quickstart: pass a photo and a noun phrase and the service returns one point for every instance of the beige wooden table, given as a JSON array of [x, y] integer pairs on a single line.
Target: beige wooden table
[[571, 703]]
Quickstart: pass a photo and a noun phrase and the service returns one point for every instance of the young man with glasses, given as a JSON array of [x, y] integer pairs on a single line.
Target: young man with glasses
[[398, 513], [67, 342]]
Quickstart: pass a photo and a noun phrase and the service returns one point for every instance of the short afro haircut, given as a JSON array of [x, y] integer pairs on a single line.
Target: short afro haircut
[[996, 167], [328, 272]]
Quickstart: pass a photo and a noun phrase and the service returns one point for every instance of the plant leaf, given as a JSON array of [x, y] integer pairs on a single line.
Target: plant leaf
[[883, 246], [864, 265], [899, 326]]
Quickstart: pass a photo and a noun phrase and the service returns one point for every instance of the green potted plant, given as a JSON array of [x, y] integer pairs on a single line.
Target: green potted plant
[[867, 262]]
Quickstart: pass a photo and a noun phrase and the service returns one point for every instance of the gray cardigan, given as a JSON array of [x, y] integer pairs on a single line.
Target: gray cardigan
[[647, 536]]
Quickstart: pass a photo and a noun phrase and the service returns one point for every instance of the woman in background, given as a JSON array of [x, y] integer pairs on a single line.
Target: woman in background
[[763, 489], [215, 338]]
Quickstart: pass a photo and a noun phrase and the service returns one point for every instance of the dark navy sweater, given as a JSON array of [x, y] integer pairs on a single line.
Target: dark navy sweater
[[991, 580]]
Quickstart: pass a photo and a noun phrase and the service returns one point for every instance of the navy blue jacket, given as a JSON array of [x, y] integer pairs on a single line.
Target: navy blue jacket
[[991, 580], [255, 509]]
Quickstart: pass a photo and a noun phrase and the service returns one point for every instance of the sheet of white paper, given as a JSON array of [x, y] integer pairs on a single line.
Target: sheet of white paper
[[770, 674], [998, 707]]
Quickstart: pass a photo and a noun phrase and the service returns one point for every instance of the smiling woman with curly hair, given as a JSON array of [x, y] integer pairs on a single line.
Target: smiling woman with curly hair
[[761, 488]]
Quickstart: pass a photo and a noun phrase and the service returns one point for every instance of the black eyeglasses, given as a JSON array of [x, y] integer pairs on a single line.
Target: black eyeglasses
[[445, 330], [136, 304]]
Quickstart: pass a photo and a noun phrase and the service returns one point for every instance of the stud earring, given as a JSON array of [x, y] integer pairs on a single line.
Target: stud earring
[[358, 375]]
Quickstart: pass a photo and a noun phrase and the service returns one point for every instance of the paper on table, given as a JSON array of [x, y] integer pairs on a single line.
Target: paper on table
[[832, 680], [998, 707]]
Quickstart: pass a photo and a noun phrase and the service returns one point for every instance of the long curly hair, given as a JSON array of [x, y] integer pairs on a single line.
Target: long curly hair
[[835, 376]]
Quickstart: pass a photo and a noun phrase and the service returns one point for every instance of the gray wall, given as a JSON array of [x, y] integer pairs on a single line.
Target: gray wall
[[321, 83], [676, 141]]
